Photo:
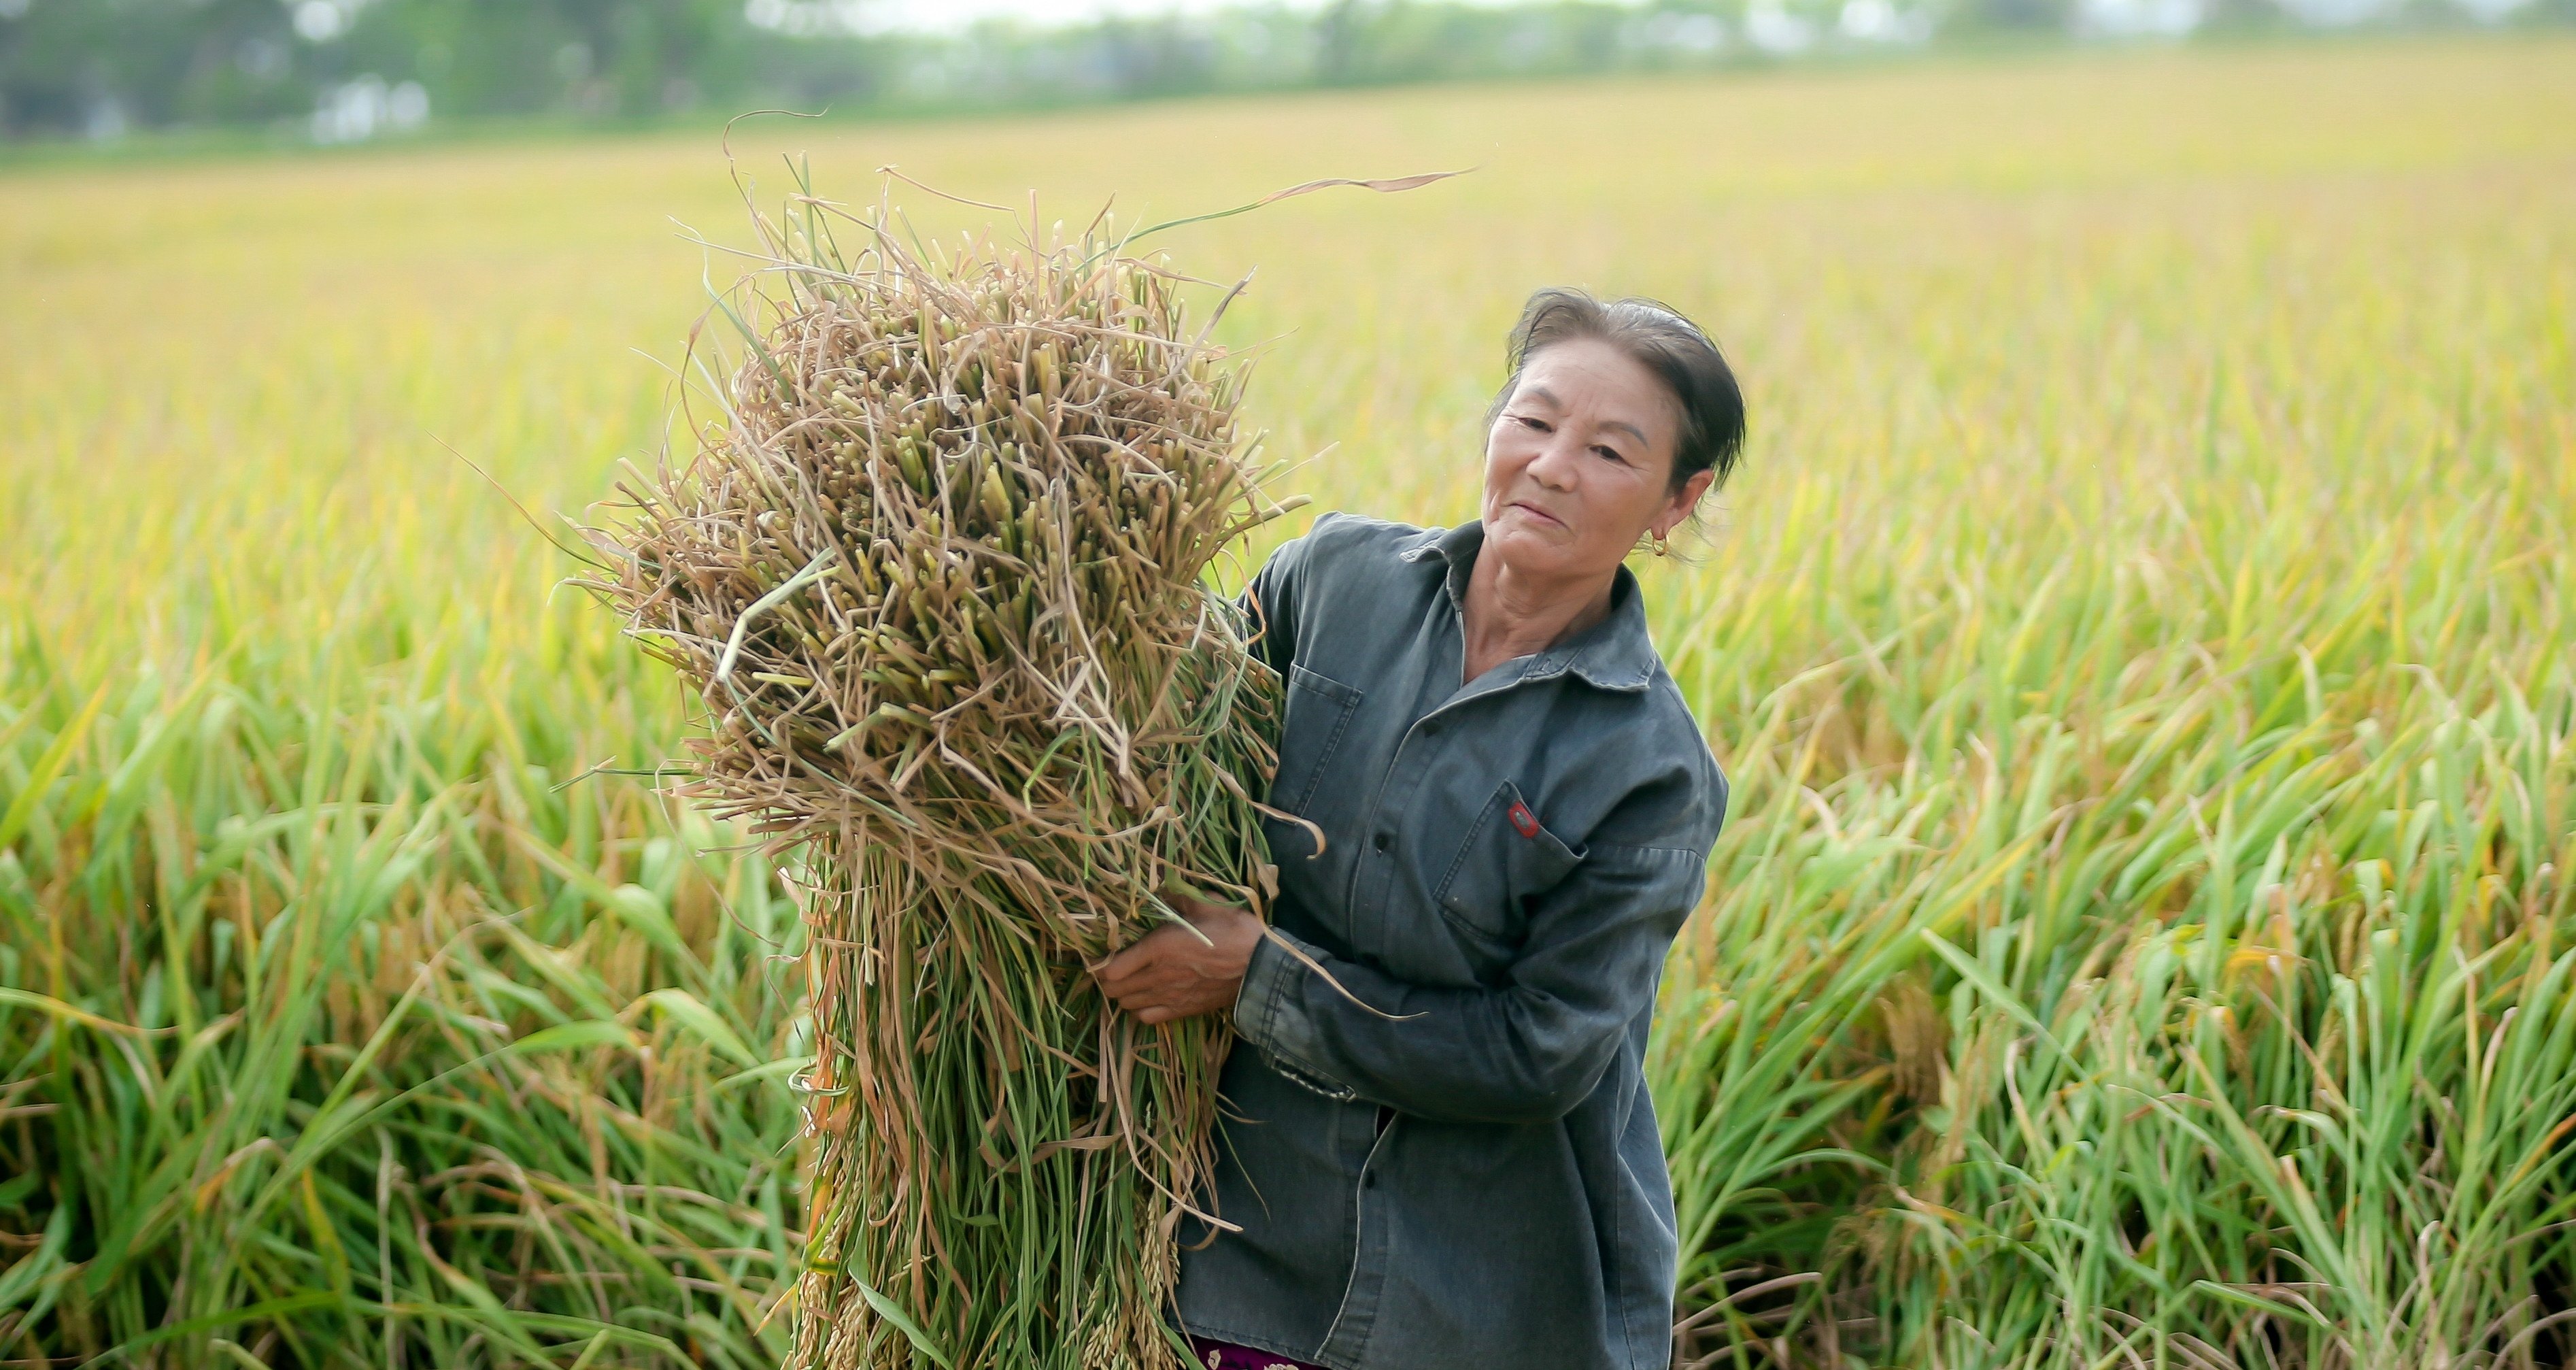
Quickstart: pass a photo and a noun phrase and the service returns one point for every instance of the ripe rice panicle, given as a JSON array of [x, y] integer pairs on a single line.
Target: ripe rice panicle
[[939, 574]]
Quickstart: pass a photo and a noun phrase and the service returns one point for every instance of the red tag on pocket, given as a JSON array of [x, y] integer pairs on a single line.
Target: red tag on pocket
[[1523, 821]]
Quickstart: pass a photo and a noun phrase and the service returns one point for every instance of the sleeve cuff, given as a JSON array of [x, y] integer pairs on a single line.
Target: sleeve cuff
[[1268, 988], [1269, 1013]]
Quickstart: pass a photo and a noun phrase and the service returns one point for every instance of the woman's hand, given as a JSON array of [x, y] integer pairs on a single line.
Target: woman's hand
[[1169, 974]]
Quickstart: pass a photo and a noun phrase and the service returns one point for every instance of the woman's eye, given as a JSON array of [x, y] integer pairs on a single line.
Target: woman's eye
[[1612, 453], [1528, 422]]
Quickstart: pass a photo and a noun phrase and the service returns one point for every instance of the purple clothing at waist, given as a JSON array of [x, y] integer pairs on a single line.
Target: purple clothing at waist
[[1225, 1355]]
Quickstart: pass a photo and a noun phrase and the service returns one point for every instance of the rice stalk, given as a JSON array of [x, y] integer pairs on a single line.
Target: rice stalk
[[938, 577]]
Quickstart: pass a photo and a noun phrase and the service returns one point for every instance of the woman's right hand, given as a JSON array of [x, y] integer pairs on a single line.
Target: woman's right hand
[[1171, 973]]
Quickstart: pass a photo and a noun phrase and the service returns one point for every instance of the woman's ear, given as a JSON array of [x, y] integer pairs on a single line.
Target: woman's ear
[[1683, 501]]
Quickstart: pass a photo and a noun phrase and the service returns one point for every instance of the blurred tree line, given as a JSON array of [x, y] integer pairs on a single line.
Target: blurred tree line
[[338, 70], [103, 65]]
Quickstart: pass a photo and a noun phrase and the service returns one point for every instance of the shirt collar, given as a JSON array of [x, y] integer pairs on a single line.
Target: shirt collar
[[1615, 654]]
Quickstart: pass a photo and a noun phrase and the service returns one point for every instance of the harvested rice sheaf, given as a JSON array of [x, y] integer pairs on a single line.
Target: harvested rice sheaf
[[940, 576]]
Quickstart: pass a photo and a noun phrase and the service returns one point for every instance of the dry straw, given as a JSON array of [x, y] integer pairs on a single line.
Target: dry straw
[[939, 574]]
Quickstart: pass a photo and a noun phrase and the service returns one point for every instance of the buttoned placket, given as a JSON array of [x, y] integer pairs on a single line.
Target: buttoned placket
[[1372, 877], [1357, 1316]]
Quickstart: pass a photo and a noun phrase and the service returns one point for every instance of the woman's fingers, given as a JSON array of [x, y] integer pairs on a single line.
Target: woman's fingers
[[1174, 972], [1173, 992], [1141, 955], [1153, 1009], [1146, 956], [1146, 985], [1120, 970]]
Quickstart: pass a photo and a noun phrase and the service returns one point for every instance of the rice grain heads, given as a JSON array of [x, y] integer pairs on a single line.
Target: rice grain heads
[[938, 575]]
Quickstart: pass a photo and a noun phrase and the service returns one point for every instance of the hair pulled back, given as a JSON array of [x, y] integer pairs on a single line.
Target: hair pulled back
[[1658, 338]]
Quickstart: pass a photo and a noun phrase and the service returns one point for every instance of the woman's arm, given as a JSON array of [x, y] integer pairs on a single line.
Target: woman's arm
[[1526, 1051]]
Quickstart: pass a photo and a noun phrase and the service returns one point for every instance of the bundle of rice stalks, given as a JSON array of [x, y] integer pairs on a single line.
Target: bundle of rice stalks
[[938, 575]]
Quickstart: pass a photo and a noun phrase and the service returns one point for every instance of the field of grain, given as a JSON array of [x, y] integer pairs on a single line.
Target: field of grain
[[2143, 640]]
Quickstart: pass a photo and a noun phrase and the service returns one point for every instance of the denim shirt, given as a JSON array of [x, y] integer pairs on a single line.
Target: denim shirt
[[1466, 1172]]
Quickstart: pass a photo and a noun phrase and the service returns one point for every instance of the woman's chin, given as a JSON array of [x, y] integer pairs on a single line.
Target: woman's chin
[[1533, 550]]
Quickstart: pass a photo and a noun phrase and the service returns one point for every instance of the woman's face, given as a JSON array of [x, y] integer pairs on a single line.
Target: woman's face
[[1579, 464]]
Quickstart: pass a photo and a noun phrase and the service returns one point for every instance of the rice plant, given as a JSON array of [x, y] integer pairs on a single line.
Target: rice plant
[[937, 578], [324, 1049]]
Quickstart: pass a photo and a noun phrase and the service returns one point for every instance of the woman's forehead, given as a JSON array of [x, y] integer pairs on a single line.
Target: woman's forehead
[[1590, 374]]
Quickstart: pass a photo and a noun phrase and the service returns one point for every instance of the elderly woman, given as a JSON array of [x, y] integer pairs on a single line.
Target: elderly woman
[[1438, 1152]]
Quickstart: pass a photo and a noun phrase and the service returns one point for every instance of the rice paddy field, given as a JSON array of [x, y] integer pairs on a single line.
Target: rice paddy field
[[2143, 640]]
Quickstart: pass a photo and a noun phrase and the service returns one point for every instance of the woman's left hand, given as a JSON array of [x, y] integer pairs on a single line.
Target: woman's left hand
[[1170, 974]]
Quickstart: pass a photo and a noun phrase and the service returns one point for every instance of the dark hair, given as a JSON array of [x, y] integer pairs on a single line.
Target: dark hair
[[1658, 338]]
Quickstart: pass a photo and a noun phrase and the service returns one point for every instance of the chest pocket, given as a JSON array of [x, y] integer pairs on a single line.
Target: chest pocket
[[1319, 712], [1507, 859]]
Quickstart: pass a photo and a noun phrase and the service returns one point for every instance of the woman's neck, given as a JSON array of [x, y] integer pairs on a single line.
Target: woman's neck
[[1509, 615]]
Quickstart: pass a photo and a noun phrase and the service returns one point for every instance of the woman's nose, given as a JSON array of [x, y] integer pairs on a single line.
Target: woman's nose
[[1555, 465]]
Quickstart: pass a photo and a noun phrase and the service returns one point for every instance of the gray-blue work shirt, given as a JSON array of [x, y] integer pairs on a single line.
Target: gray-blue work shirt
[[1471, 1176]]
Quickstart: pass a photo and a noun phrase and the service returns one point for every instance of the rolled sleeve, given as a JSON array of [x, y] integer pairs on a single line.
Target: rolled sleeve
[[1268, 1015]]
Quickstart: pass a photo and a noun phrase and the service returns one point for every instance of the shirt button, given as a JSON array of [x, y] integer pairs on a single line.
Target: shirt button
[[1385, 840]]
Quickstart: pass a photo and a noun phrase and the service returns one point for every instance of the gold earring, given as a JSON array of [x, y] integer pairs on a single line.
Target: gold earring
[[1662, 548]]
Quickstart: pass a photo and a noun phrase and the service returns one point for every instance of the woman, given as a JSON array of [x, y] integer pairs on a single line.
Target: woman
[[1438, 1150]]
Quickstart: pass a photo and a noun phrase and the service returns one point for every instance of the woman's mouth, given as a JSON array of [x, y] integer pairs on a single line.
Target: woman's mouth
[[1537, 513]]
